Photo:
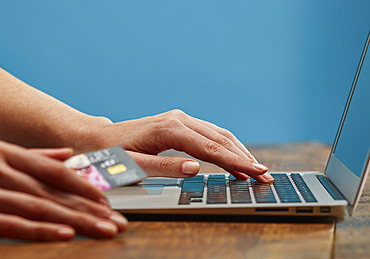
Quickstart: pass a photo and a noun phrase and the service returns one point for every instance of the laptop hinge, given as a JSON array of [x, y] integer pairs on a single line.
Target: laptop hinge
[[332, 190]]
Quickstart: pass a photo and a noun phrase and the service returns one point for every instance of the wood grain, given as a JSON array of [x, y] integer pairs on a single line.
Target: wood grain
[[352, 239], [193, 240], [201, 238]]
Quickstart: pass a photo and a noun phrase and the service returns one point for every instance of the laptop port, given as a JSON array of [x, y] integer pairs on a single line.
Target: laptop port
[[304, 209], [272, 210], [325, 209]]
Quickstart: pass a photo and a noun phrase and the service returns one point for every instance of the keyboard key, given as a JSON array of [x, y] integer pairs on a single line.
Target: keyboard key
[[192, 187], [303, 188], [184, 199], [192, 190], [232, 178], [216, 176], [194, 179], [263, 192], [216, 189], [285, 189], [240, 194]]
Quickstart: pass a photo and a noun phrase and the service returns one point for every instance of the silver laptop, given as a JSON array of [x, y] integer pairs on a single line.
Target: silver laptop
[[334, 193]]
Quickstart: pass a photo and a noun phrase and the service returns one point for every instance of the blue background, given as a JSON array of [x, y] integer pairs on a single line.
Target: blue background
[[269, 71]]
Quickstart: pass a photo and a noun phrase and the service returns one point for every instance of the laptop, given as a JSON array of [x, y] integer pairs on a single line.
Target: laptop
[[336, 192]]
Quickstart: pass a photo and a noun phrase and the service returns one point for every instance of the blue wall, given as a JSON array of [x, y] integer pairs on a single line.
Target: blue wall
[[270, 71]]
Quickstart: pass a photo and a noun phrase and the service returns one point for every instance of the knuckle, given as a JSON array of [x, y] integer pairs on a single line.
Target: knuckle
[[233, 161], [104, 119], [39, 232], [171, 123], [226, 133], [54, 194], [170, 120], [80, 221], [165, 167], [40, 208], [177, 113], [60, 172], [224, 141], [213, 149], [96, 210], [42, 190]]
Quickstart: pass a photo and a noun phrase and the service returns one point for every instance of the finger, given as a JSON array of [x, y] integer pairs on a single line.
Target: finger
[[229, 135], [196, 145], [214, 133], [224, 138], [12, 226], [79, 203], [53, 172], [263, 178], [239, 175], [221, 136], [40, 209], [56, 153], [175, 167], [12, 179]]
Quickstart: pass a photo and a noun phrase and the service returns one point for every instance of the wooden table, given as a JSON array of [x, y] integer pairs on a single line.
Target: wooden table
[[208, 237]]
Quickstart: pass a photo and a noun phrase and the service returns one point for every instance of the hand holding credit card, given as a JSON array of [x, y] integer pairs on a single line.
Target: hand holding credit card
[[107, 168]]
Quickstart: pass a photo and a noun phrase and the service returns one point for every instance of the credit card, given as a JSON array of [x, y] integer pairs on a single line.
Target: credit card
[[107, 168]]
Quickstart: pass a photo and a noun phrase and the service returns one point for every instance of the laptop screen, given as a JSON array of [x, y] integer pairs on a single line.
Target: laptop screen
[[350, 152], [354, 141]]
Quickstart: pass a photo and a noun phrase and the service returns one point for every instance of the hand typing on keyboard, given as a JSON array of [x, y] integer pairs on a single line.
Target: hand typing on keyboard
[[149, 136], [145, 137]]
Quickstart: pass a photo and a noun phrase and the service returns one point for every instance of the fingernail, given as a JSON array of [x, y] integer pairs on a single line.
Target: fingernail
[[190, 167], [260, 167], [119, 220], [268, 177], [66, 233], [107, 228]]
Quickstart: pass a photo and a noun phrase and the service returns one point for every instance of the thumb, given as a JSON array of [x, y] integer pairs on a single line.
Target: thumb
[[174, 167]]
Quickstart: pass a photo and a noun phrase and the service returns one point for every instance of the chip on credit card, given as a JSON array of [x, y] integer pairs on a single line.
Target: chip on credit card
[[107, 168]]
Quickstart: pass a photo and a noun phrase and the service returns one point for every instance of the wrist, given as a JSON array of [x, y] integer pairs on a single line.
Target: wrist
[[89, 134]]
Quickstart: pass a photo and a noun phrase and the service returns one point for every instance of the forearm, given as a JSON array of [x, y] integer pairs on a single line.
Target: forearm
[[31, 118]]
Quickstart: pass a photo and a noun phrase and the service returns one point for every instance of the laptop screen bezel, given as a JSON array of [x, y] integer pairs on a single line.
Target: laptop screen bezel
[[342, 177]]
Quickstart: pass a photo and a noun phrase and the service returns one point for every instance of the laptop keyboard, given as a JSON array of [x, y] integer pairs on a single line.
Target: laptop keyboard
[[241, 191]]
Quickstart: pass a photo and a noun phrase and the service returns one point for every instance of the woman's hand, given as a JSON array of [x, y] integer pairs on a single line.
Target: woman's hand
[[41, 199], [43, 121], [150, 136]]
